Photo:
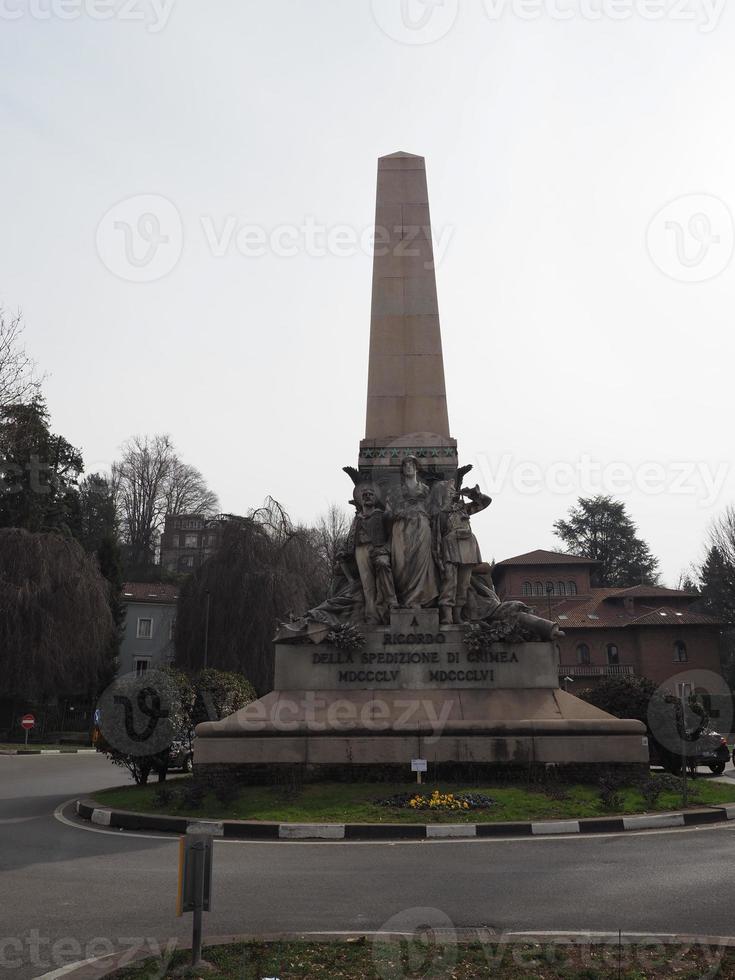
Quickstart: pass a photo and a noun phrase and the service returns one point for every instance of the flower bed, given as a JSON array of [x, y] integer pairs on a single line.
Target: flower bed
[[438, 801]]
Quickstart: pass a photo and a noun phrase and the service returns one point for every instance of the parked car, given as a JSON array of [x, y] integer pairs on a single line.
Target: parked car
[[708, 749], [181, 754]]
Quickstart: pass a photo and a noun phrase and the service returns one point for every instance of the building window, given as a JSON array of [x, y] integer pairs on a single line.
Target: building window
[[538, 588], [571, 588], [145, 629], [583, 654], [680, 652], [191, 541], [527, 588], [549, 588], [141, 666], [186, 563], [613, 655], [561, 589]]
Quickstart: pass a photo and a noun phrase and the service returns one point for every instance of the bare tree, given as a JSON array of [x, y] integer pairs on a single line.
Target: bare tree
[[19, 383], [150, 481], [722, 535], [186, 491], [329, 536]]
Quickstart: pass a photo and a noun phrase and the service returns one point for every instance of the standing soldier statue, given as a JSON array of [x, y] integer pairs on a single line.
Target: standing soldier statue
[[369, 542], [457, 551]]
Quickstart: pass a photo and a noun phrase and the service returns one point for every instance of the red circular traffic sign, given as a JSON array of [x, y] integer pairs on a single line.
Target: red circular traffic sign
[[27, 722]]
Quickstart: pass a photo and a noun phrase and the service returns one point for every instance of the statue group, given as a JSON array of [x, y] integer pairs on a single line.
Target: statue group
[[418, 550], [411, 546]]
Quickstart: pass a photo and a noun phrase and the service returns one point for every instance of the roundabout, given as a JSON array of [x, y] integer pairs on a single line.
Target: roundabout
[[81, 891]]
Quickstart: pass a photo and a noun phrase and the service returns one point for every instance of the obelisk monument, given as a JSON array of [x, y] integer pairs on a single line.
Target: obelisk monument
[[406, 397], [413, 655]]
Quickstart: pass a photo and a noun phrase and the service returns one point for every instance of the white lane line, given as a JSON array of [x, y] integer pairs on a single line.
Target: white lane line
[[64, 971], [87, 829]]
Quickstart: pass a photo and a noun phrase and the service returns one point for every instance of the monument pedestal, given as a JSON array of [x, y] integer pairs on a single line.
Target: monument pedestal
[[417, 691]]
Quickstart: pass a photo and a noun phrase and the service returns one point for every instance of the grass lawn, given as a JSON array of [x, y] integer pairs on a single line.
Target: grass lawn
[[361, 959], [356, 802]]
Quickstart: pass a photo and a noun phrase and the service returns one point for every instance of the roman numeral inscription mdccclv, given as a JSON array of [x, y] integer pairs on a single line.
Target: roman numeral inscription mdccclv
[[420, 660]]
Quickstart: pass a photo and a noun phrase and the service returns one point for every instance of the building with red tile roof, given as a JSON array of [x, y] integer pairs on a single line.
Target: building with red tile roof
[[645, 630]]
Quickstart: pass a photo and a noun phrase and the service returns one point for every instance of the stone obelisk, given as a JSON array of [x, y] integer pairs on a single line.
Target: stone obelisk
[[406, 399]]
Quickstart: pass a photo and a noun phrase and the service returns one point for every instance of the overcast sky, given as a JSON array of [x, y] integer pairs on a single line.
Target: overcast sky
[[581, 165]]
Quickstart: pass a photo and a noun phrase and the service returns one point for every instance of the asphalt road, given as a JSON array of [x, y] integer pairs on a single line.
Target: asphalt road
[[68, 893]]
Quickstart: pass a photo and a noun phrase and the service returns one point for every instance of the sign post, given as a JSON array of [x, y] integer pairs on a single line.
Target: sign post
[[27, 722], [418, 766], [195, 885]]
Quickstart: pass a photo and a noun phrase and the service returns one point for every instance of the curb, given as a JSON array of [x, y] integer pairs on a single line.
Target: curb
[[257, 831], [47, 751], [96, 969]]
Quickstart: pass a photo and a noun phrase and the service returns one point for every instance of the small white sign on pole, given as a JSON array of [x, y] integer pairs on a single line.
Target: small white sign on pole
[[418, 766]]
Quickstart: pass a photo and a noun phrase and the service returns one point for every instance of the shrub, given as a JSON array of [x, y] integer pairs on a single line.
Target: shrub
[[610, 798], [650, 789], [164, 796], [192, 795], [226, 790]]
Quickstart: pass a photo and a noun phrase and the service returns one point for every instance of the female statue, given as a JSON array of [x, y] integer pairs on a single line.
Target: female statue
[[414, 572]]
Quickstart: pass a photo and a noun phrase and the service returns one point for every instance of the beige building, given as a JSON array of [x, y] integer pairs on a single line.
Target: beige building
[[188, 540]]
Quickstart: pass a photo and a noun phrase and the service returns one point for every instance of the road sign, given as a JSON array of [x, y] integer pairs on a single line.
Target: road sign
[[195, 885], [27, 722], [195, 873], [418, 766]]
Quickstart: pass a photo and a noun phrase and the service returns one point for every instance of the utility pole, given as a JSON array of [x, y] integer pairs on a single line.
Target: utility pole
[[206, 627], [684, 758]]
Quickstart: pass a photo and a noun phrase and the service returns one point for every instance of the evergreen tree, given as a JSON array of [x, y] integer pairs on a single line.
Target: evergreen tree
[[39, 471], [599, 528], [97, 519], [718, 586]]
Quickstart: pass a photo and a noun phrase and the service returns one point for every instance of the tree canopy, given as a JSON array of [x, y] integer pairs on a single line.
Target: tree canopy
[[150, 481], [56, 627], [19, 382], [264, 569], [600, 529], [39, 471]]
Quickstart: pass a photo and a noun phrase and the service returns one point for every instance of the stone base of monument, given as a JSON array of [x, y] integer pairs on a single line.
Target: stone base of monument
[[415, 691]]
